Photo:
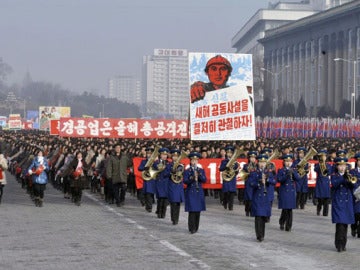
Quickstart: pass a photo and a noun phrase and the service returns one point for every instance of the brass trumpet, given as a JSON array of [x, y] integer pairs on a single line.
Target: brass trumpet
[[243, 175], [350, 178]]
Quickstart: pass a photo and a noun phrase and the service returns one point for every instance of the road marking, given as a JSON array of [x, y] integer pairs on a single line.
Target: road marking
[[174, 248], [130, 221]]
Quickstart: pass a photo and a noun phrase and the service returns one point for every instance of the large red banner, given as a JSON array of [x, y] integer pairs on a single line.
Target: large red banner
[[123, 128], [214, 179], [54, 127]]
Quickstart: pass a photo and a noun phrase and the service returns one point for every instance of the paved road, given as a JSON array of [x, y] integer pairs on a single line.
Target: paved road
[[61, 235]]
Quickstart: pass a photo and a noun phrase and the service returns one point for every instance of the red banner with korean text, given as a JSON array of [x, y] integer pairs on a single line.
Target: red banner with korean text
[[123, 128], [214, 179], [54, 127]]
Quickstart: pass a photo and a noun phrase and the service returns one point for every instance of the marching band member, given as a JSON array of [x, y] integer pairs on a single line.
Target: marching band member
[[229, 187], [302, 184], [322, 186], [342, 206], [38, 170], [194, 176], [260, 180], [176, 187], [162, 181], [341, 153], [149, 186], [355, 228], [287, 192], [270, 167], [248, 168]]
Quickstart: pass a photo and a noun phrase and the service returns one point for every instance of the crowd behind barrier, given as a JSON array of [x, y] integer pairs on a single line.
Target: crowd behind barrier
[[19, 147], [287, 127]]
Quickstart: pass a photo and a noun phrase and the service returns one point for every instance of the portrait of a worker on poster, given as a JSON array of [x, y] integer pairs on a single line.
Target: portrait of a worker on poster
[[221, 96]]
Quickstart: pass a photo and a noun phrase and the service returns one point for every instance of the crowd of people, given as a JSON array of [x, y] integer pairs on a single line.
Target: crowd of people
[[106, 166]]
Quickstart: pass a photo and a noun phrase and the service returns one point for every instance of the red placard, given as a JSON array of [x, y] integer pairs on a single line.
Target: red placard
[[28, 125], [123, 128], [214, 180], [54, 127]]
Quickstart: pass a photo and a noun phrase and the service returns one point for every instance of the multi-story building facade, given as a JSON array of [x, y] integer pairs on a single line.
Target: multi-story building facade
[[319, 55], [166, 83], [125, 88], [276, 15]]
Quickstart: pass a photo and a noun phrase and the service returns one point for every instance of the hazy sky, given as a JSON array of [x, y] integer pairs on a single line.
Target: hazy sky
[[80, 44]]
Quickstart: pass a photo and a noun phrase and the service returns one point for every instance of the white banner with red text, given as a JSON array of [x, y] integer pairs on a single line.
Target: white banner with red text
[[221, 96]]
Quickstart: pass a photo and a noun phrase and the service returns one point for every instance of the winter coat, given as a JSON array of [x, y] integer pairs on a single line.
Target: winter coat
[[228, 186], [116, 168], [261, 202], [287, 189], [77, 179], [322, 187], [301, 182], [38, 176], [3, 168], [342, 205], [162, 179], [149, 186], [248, 190], [175, 190], [194, 193]]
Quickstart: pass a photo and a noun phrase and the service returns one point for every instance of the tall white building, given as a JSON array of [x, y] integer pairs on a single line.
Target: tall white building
[[125, 88], [321, 54], [276, 15], [166, 83]]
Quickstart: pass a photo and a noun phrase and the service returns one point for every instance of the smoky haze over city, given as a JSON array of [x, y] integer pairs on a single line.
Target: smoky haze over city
[[81, 44]]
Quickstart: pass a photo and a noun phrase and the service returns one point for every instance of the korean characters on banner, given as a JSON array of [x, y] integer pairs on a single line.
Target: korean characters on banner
[[121, 128], [221, 96], [214, 177]]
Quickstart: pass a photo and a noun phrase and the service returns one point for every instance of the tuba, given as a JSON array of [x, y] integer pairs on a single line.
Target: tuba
[[323, 170], [150, 173], [243, 174], [350, 154], [229, 172], [178, 169], [301, 165]]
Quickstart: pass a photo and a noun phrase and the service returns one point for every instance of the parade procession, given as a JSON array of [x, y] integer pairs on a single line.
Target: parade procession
[[180, 134], [172, 172]]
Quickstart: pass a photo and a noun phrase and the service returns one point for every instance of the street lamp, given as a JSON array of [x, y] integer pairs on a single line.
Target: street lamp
[[24, 109], [276, 75], [102, 113], [353, 94]]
